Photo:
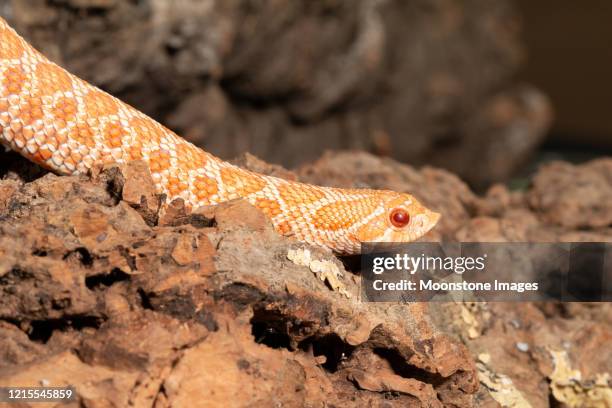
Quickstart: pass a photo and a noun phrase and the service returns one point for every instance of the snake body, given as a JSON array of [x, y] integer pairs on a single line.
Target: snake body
[[68, 126]]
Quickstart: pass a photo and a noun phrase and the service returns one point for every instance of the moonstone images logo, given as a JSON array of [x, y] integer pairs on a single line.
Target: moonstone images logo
[[476, 271]]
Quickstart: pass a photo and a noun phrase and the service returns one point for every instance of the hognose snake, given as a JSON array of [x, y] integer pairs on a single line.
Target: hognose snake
[[68, 126]]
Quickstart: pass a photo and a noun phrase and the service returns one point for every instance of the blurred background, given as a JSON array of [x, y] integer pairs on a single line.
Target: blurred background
[[570, 60], [485, 89]]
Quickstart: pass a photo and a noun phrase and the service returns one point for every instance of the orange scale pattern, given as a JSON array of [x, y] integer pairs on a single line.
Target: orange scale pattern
[[50, 80], [65, 109], [189, 157], [65, 124], [113, 134], [99, 104], [269, 207], [11, 47], [147, 130], [343, 214], [31, 110], [13, 80], [176, 185], [159, 160], [238, 183], [299, 194], [205, 188]]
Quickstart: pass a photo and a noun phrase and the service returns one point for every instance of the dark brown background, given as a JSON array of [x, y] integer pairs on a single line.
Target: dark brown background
[[570, 59]]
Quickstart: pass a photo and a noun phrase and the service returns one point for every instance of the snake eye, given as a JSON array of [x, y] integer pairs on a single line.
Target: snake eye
[[399, 217]]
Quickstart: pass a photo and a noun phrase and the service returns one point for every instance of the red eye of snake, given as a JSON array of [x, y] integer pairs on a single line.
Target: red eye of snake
[[399, 217]]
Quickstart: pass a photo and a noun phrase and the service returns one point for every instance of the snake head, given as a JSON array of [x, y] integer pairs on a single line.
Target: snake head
[[400, 218]]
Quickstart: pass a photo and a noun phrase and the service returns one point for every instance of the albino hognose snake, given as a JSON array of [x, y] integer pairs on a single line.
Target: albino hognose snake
[[68, 126]]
